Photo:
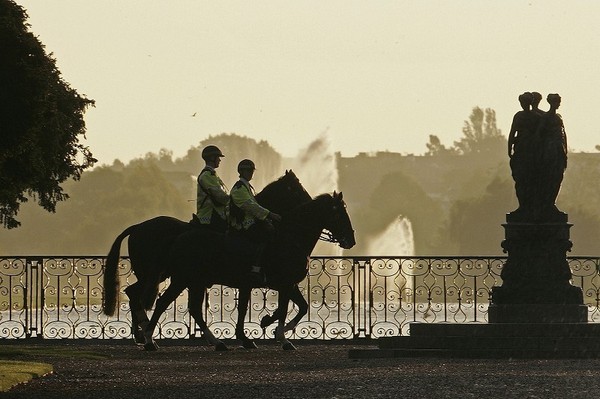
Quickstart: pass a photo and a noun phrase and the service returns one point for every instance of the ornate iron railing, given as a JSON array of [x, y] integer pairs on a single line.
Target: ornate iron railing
[[349, 297]]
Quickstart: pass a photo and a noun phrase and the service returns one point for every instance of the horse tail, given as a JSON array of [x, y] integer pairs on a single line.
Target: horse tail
[[111, 280]]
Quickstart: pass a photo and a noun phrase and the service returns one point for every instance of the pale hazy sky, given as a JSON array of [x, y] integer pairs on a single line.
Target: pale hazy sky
[[376, 75]]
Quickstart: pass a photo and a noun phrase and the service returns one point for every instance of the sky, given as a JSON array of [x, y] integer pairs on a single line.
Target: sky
[[371, 75]]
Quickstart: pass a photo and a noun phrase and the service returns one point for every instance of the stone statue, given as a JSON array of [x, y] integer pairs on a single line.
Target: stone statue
[[537, 97], [552, 158], [537, 147], [521, 147]]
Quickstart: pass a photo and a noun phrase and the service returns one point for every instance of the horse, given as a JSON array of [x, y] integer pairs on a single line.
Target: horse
[[201, 260], [149, 244]]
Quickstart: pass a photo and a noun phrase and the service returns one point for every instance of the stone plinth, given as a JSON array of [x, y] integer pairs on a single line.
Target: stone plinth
[[531, 313], [491, 340], [536, 278]]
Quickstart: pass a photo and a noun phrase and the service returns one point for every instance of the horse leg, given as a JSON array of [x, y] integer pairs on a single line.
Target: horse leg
[[161, 305], [244, 298], [284, 299], [195, 299], [297, 297], [267, 320], [139, 319]]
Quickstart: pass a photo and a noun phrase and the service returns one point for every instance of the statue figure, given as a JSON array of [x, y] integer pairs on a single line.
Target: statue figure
[[521, 147], [537, 97], [552, 158], [537, 148]]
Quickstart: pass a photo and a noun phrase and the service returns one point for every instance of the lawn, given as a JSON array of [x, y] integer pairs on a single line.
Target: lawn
[[13, 371]]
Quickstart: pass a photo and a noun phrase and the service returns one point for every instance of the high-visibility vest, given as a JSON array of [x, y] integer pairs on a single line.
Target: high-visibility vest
[[245, 210], [211, 196]]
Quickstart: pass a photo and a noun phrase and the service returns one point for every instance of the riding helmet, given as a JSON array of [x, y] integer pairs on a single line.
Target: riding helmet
[[211, 151], [246, 164]]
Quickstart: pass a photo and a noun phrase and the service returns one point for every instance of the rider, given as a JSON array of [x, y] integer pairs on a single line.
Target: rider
[[249, 218], [211, 197]]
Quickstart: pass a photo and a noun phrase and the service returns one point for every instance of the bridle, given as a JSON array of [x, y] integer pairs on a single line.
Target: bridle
[[327, 236]]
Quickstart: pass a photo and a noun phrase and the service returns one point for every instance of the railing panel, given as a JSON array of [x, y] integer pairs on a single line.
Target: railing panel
[[348, 297]]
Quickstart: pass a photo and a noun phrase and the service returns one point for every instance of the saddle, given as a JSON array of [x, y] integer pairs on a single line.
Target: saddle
[[234, 246]]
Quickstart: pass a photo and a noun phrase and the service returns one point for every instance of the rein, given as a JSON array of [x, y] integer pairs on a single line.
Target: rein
[[324, 235]]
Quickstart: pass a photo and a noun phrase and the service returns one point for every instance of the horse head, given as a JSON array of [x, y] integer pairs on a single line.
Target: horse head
[[295, 188], [283, 194], [338, 223]]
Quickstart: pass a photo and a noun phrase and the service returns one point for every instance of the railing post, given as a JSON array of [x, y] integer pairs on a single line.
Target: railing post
[[26, 305], [33, 301], [362, 298]]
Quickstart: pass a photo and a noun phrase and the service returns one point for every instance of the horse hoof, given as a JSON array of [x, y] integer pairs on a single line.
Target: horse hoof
[[151, 347], [249, 344], [265, 322], [139, 338], [221, 347], [288, 346]]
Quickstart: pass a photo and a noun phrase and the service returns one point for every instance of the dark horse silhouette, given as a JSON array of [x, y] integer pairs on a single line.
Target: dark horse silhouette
[[149, 244], [201, 260]]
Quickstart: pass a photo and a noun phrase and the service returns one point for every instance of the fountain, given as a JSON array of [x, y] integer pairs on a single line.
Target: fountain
[[316, 167], [396, 240]]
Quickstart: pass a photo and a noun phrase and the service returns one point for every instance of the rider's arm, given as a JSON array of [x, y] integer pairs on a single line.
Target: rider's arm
[[212, 185], [241, 197]]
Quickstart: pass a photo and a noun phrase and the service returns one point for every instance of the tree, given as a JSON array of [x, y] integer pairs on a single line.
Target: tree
[[435, 147], [103, 203], [474, 224], [41, 120], [480, 134], [235, 147]]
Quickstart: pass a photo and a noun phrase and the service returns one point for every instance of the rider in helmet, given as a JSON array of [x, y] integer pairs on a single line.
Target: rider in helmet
[[249, 218], [211, 198]]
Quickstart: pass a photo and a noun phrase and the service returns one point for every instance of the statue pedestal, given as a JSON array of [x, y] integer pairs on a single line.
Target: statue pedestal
[[535, 314], [536, 278]]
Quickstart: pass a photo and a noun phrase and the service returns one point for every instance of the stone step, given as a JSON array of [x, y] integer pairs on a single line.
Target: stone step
[[476, 343], [505, 329], [473, 354], [491, 340]]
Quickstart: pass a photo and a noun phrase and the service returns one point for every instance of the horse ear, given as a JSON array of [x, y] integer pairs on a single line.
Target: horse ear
[[341, 196], [286, 172]]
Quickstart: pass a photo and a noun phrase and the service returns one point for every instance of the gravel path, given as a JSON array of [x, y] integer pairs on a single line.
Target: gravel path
[[185, 370]]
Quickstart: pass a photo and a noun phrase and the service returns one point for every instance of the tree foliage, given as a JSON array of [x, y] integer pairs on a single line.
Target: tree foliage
[[41, 121], [103, 203], [436, 148], [235, 147], [480, 133], [474, 224]]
